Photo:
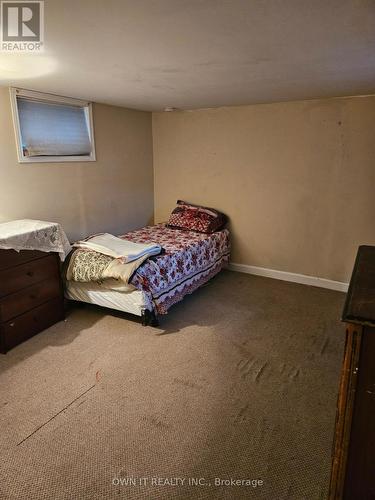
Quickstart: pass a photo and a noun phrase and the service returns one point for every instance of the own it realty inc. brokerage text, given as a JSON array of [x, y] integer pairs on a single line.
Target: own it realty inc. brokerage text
[[186, 481]]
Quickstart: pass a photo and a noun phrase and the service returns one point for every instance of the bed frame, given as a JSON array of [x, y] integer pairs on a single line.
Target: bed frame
[[83, 293], [148, 318]]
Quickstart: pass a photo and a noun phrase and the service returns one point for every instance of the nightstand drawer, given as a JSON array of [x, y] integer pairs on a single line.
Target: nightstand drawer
[[11, 258], [30, 323], [16, 278], [28, 298]]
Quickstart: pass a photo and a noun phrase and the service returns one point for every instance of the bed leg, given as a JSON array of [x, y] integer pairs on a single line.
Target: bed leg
[[154, 319], [149, 318]]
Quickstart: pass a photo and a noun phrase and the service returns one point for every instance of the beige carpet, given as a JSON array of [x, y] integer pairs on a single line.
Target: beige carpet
[[239, 382]]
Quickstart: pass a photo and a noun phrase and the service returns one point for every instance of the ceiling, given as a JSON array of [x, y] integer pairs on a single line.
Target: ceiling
[[153, 54]]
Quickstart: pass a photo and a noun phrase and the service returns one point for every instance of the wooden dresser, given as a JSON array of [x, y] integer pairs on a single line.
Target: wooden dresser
[[353, 464], [31, 295]]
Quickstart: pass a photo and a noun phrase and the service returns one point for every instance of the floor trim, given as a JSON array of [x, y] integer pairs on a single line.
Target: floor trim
[[293, 277]]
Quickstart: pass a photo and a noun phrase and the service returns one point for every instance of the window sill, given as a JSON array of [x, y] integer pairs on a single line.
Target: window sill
[[56, 159]]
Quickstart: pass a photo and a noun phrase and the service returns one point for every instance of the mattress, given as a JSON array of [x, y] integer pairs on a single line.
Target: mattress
[[132, 301]]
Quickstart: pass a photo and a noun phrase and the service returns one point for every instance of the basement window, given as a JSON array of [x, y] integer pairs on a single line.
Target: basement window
[[51, 128]]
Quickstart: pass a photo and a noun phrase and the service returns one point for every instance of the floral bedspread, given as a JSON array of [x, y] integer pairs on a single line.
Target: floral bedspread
[[189, 261]]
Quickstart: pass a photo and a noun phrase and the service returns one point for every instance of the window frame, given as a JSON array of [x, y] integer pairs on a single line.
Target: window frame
[[50, 98]]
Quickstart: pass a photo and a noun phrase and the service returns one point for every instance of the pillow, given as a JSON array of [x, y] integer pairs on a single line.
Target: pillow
[[196, 218]]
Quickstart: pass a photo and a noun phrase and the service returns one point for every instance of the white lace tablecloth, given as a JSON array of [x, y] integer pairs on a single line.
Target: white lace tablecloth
[[28, 234]]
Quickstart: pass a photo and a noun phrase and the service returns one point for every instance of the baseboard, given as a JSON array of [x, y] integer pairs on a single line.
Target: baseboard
[[293, 277]]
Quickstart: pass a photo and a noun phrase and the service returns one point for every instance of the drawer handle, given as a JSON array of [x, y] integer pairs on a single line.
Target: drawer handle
[[30, 273], [11, 324]]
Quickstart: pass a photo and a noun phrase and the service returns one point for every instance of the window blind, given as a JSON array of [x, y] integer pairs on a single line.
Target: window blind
[[49, 129]]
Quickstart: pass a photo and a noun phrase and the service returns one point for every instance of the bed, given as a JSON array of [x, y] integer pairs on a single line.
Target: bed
[[189, 260]]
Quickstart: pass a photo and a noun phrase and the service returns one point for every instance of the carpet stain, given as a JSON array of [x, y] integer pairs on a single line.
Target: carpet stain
[[294, 373], [187, 383], [260, 372], [241, 414], [324, 346], [156, 422], [244, 366], [241, 347], [259, 369]]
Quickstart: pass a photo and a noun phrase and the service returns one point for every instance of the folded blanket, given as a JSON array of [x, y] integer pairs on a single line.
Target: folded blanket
[[110, 245], [87, 265]]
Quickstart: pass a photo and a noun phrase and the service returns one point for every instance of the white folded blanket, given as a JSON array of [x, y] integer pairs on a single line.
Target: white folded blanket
[[118, 248]]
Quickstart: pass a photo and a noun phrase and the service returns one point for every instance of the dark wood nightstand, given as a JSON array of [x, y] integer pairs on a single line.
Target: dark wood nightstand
[[31, 295]]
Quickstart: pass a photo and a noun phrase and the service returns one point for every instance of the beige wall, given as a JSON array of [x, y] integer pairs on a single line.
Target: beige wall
[[113, 194], [296, 179]]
